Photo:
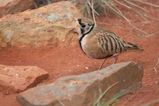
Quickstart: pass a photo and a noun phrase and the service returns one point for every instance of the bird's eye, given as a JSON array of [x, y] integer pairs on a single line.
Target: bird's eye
[[83, 25], [89, 24]]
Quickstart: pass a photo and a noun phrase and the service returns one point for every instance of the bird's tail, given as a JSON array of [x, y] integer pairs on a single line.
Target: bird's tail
[[131, 46]]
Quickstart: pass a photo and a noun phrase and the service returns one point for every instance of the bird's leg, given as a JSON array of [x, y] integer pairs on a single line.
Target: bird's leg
[[102, 64], [115, 58]]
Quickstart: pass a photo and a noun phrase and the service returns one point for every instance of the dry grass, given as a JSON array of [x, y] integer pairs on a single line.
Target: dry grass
[[94, 8], [98, 101]]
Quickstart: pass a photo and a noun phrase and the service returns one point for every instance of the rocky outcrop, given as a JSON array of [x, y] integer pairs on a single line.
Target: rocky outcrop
[[47, 25], [19, 78], [86, 89]]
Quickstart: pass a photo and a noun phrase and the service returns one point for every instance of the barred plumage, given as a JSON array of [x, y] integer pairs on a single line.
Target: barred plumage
[[99, 44], [108, 42]]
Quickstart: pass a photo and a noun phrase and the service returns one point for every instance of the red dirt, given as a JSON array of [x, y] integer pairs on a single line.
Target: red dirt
[[61, 61]]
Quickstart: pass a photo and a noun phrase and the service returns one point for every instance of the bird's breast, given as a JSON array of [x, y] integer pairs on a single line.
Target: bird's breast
[[91, 48]]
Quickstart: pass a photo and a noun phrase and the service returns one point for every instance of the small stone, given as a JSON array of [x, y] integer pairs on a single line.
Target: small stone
[[86, 68], [156, 82]]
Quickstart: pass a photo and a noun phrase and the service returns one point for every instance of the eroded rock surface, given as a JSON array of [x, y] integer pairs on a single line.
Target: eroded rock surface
[[19, 78], [83, 90], [47, 25]]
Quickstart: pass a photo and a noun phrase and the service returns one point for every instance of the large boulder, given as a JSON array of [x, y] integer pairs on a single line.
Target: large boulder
[[86, 89], [19, 78], [47, 25]]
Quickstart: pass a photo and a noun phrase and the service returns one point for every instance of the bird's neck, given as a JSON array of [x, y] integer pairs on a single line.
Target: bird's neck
[[80, 41], [84, 34]]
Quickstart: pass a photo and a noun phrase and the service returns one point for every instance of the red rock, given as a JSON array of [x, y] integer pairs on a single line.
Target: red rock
[[19, 78], [48, 25], [85, 89], [14, 6]]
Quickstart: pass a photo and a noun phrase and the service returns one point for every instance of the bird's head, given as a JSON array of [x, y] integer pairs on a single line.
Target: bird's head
[[85, 28]]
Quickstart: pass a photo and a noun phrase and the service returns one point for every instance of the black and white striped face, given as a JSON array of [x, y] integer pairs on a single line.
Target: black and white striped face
[[85, 28]]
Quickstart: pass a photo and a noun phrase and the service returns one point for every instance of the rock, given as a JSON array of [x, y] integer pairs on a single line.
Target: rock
[[14, 6], [83, 90], [19, 78], [47, 25]]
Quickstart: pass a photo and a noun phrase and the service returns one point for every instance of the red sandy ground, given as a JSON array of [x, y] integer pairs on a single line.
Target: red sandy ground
[[61, 61]]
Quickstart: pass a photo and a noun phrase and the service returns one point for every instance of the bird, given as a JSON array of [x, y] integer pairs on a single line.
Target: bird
[[101, 44]]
